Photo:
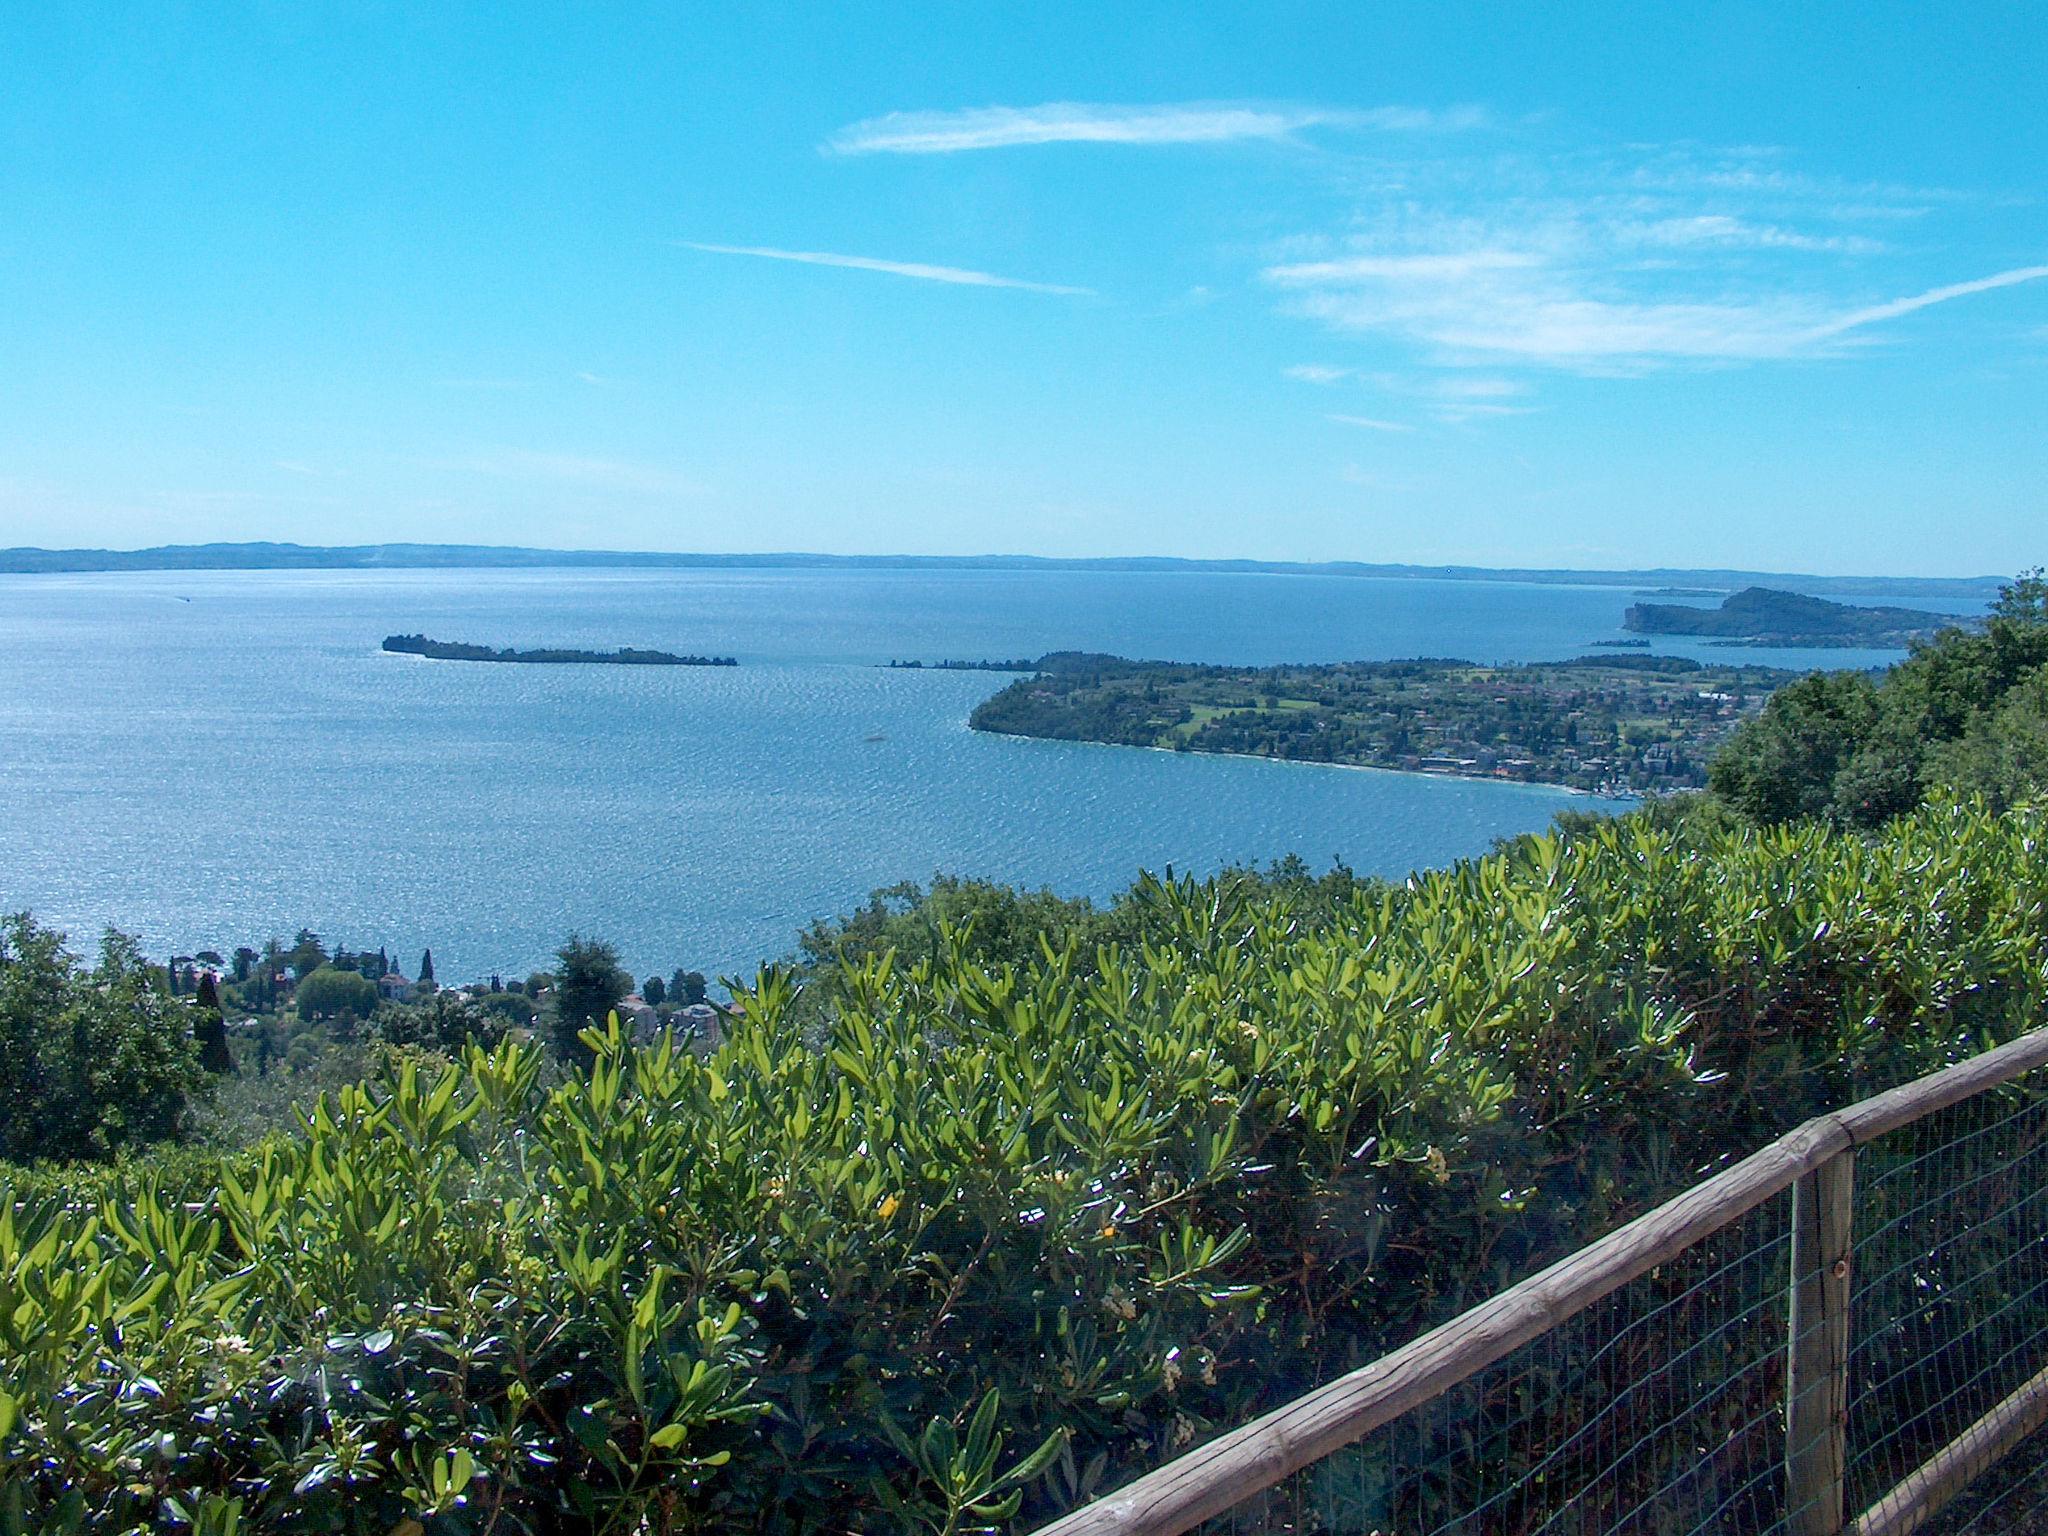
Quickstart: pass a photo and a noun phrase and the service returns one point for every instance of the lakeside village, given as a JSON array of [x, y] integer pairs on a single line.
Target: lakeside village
[[1619, 725], [282, 1005]]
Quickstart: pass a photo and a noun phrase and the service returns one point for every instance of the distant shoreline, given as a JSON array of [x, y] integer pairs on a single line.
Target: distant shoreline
[[1631, 797], [258, 556]]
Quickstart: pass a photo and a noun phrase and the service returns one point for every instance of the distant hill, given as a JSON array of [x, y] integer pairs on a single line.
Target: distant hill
[[270, 556], [1766, 616]]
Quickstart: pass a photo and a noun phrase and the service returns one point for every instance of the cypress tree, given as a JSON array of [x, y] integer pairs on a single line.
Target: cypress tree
[[212, 1030], [427, 966]]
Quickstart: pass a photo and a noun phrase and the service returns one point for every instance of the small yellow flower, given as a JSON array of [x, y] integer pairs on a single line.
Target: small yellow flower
[[889, 1206], [1109, 1229], [773, 1189]]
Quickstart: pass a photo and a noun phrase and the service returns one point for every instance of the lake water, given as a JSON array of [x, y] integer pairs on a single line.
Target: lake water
[[208, 759]]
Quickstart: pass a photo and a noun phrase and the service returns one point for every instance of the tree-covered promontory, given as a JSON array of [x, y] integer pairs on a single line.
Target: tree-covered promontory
[[1766, 616]]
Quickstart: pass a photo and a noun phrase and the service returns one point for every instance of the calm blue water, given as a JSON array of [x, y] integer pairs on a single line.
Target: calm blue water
[[211, 759]]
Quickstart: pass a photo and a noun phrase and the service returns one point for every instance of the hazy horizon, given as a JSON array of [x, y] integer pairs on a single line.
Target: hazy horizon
[[418, 555]]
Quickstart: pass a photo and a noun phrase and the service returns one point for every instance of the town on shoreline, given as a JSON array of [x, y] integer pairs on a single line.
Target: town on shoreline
[[1618, 724]]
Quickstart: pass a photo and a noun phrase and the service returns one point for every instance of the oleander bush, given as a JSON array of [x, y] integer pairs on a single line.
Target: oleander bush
[[957, 1240]]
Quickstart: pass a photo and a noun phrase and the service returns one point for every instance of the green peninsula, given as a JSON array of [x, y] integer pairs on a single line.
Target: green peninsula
[[450, 650], [1766, 616], [1615, 724]]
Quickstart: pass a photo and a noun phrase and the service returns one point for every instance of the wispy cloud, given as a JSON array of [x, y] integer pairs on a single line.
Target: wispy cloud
[[1612, 260], [923, 271], [573, 469], [1317, 373], [1372, 423], [1461, 388], [1726, 232], [1441, 267], [1081, 122], [1456, 413], [1538, 310]]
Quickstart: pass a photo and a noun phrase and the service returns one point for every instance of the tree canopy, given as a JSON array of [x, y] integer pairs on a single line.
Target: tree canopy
[[332, 994], [588, 984], [1966, 712], [93, 1060]]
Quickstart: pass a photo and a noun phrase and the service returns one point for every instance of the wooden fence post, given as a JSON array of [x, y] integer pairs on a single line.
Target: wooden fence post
[[1817, 1351]]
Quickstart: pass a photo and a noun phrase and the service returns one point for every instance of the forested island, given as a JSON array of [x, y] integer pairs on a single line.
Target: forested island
[[1766, 616], [1617, 724], [450, 650]]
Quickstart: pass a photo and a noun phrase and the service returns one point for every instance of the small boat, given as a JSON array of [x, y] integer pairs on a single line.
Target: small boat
[[877, 736]]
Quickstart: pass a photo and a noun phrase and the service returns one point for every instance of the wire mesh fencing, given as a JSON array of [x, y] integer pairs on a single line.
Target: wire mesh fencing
[[1848, 1333], [1657, 1410], [1950, 1308]]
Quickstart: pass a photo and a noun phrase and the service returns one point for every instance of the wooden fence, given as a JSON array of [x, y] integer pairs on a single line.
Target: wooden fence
[[1811, 1307]]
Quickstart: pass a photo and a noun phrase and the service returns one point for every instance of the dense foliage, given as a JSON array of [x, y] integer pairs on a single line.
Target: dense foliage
[[1264, 1129], [329, 993], [93, 1060], [1966, 712], [589, 983]]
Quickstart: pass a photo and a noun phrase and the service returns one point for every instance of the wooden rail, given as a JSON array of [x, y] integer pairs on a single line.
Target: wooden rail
[[1230, 1469], [1920, 1497]]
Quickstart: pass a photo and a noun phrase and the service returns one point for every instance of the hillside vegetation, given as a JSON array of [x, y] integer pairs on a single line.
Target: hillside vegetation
[[1966, 713], [1134, 1192]]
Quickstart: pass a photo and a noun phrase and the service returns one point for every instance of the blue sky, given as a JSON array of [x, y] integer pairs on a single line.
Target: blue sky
[[1593, 285]]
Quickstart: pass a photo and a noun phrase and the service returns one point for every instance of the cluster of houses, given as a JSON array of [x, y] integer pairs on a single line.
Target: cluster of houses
[[699, 1025]]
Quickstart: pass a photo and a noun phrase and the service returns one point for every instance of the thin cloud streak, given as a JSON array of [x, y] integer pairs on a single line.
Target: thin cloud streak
[[922, 271], [1373, 423], [1720, 231], [1932, 296], [573, 469], [1080, 122]]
